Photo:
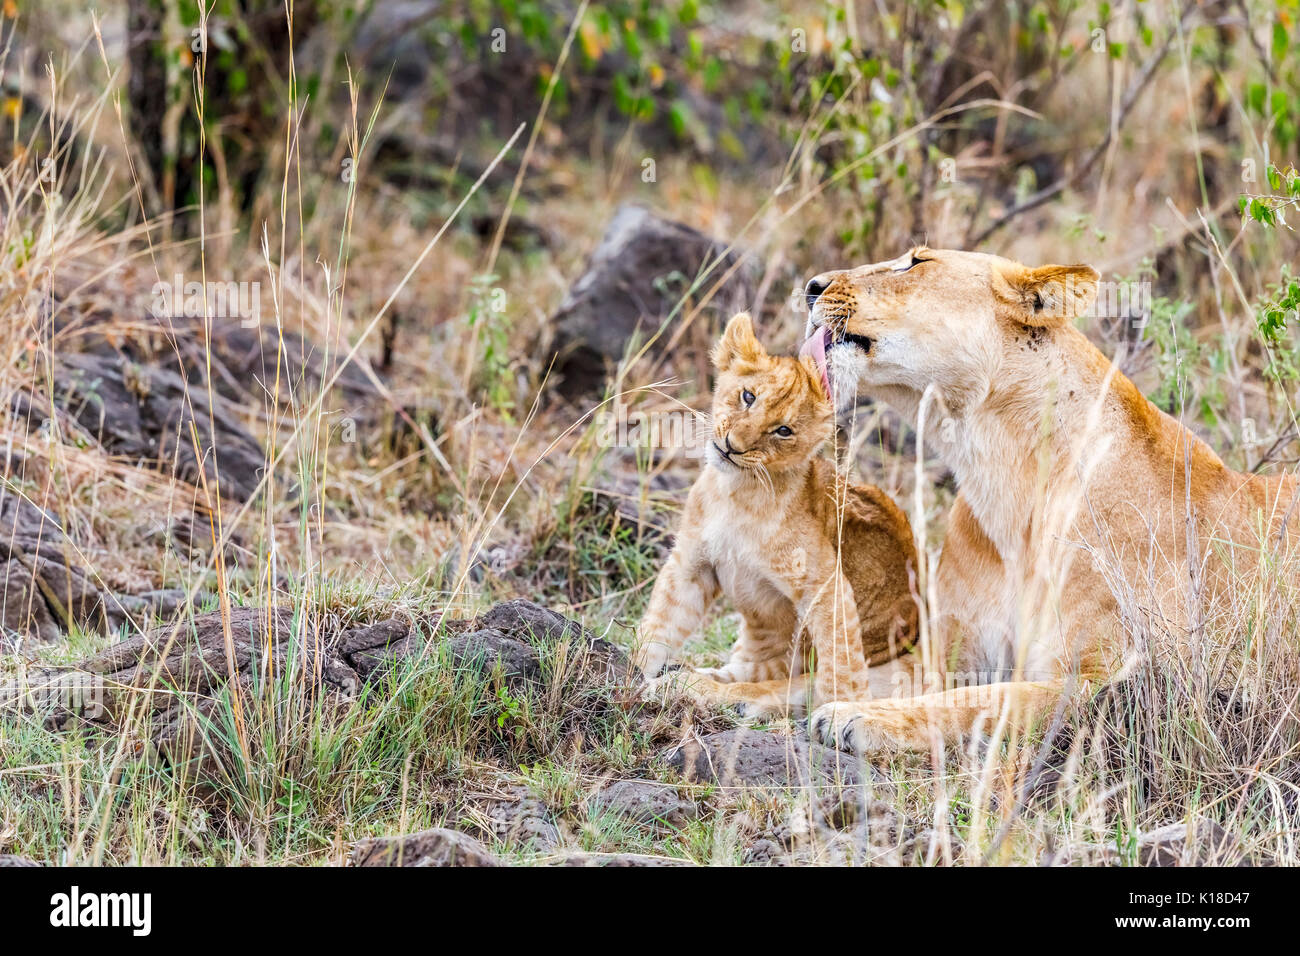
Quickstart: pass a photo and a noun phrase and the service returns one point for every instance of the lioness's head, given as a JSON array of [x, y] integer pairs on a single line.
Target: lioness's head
[[768, 410], [890, 329]]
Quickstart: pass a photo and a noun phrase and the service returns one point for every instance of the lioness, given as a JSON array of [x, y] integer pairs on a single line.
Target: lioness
[[1076, 496], [805, 559]]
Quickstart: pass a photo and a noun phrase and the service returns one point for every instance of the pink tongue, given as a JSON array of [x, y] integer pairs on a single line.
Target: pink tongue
[[816, 347]]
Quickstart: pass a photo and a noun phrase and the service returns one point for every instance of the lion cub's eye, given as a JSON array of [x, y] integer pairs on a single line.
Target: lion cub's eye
[[785, 431], [747, 397]]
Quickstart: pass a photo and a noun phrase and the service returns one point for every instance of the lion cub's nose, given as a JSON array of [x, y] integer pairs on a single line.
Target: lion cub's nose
[[815, 287]]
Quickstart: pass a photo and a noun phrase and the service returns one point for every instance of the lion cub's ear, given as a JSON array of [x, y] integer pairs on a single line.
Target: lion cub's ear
[[1046, 296], [815, 377], [738, 344]]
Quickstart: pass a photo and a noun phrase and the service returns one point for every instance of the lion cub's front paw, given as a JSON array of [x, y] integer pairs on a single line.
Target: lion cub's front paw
[[719, 674], [763, 700], [843, 725], [658, 688], [747, 672], [650, 659]]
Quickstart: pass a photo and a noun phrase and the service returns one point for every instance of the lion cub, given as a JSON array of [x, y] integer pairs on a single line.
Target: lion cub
[[808, 559]]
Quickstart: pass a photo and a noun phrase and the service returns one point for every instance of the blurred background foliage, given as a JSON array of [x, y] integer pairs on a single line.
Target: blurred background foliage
[[1155, 139]]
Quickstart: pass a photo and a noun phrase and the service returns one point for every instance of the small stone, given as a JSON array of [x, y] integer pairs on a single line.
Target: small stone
[[756, 758], [619, 860], [1202, 843], [926, 847], [436, 847], [644, 801], [515, 818], [762, 851]]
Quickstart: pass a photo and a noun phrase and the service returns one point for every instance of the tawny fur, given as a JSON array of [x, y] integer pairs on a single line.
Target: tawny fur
[[766, 524], [1073, 488]]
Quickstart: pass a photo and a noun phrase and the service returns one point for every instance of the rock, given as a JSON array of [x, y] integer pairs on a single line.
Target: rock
[[850, 808], [834, 849], [148, 605], [762, 851], [391, 35], [841, 827], [177, 677], [487, 651], [646, 504], [45, 587], [194, 657], [144, 413], [644, 265], [619, 860], [245, 356], [10, 859], [24, 613], [246, 360], [926, 847], [1201, 843], [757, 758], [368, 637], [644, 801], [373, 649], [514, 817], [436, 847], [531, 624]]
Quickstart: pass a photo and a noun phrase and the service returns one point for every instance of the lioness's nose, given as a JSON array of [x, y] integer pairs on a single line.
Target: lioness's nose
[[815, 287]]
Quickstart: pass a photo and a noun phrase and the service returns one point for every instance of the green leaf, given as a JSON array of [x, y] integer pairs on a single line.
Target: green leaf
[[679, 118], [1255, 96]]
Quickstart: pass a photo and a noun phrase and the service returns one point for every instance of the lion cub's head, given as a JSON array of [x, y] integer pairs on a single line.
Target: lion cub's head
[[769, 411]]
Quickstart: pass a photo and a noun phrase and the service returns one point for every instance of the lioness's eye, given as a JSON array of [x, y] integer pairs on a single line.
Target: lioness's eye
[[747, 397], [785, 431]]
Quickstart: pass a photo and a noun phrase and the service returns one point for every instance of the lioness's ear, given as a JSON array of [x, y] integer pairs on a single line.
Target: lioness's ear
[[738, 343], [1046, 296]]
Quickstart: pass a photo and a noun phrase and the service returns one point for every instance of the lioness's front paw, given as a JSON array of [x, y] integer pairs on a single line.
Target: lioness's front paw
[[761, 710], [842, 724]]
